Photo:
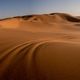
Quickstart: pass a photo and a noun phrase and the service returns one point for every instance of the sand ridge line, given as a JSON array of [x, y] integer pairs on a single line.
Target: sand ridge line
[[27, 53], [31, 60], [23, 50], [18, 49], [10, 56]]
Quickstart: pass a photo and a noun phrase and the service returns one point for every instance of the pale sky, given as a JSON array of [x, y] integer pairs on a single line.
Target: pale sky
[[21, 7]]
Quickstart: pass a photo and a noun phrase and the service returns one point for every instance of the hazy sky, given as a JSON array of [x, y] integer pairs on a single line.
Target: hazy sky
[[21, 7]]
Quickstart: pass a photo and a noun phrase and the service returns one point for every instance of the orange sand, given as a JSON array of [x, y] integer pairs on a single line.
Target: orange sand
[[40, 47]]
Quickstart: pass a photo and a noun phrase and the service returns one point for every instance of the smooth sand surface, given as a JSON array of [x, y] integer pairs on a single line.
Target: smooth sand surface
[[40, 47]]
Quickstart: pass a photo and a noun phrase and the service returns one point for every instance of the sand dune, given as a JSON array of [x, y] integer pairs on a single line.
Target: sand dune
[[40, 47]]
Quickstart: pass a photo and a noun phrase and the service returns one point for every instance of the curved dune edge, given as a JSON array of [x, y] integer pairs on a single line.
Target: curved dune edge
[[28, 61], [40, 47], [35, 22]]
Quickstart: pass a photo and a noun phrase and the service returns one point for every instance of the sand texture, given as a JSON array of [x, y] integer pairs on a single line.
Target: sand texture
[[40, 47]]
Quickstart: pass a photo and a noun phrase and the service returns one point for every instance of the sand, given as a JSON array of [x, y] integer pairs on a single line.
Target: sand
[[40, 47]]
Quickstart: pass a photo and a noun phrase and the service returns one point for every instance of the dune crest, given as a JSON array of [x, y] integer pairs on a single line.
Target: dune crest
[[50, 22], [40, 47]]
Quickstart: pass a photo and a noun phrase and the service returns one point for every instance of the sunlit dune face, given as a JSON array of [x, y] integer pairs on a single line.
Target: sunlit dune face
[[10, 23], [41, 23]]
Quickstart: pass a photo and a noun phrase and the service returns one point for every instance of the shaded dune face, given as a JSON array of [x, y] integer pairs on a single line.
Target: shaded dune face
[[41, 60], [40, 47], [12, 62], [67, 17]]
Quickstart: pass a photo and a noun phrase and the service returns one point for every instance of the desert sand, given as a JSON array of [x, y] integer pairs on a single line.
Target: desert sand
[[40, 47]]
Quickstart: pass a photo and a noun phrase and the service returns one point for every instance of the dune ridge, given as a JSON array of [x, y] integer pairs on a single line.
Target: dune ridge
[[40, 47], [51, 22]]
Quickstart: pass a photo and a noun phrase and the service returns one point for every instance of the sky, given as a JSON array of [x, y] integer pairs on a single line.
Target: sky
[[10, 8]]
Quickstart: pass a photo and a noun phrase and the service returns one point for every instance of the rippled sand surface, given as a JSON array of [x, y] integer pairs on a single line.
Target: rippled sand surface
[[38, 50]]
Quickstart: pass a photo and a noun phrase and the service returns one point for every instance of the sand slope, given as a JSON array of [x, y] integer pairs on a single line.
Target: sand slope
[[40, 47]]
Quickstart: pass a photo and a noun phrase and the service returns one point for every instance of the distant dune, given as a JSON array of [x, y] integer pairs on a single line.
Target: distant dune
[[40, 47], [47, 20]]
